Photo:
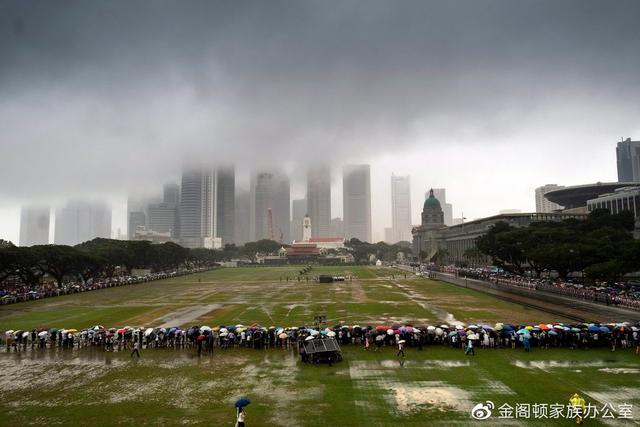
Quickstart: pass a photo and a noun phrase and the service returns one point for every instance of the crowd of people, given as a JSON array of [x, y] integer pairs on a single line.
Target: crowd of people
[[204, 339], [620, 294], [11, 293]]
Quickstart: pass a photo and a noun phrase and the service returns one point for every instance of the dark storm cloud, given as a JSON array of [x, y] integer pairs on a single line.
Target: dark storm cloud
[[97, 96]]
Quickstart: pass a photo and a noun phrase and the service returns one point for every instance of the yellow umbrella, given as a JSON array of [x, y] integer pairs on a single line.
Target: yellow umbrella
[[529, 328], [73, 331]]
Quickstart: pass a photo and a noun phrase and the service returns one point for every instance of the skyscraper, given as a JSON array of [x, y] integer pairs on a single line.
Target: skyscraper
[[270, 206], [542, 204], [400, 210], [319, 200], [82, 220], [337, 227], [226, 211], [242, 219], [356, 196], [163, 218], [34, 225], [207, 206], [299, 210], [447, 208], [628, 157], [171, 194]]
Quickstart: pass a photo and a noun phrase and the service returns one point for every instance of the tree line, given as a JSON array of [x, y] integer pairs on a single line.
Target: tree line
[[601, 246]]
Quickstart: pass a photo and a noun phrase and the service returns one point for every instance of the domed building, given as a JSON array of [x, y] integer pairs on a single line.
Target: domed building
[[432, 213], [427, 236]]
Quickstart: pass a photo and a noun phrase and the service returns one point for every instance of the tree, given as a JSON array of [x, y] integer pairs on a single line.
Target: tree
[[57, 261]]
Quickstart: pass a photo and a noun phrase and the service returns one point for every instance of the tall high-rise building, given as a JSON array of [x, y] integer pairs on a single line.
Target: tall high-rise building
[[388, 236], [81, 220], [171, 194], [298, 211], [400, 210], [447, 208], [337, 227], [34, 225], [628, 157], [137, 214], [319, 200], [226, 194], [542, 204], [356, 196], [207, 207], [163, 218], [242, 219], [270, 206]]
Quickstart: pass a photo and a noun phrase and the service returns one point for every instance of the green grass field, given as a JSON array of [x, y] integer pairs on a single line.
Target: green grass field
[[437, 386]]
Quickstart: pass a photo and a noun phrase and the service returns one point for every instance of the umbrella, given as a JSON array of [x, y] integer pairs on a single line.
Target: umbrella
[[459, 327], [224, 334], [506, 328], [444, 326], [529, 328], [241, 403], [283, 336], [543, 327], [472, 327], [401, 342], [382, 328], [204, 328], [431, 328], [331, 334], [148, 332], [53, 330], [604, 329], [594, 328], [553, 332], [473, 336], [523, 332], [43, 334], [499, 327], [121, 331], [9, 332], [73, 331], [224, 330], [309, 338], [98, 327], [25, 335], [314, 332], [389, 331], [453, 333], [439, 331]]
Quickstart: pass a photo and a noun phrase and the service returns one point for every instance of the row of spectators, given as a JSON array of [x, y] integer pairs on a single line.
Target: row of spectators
[[17, 292], [619, 294]]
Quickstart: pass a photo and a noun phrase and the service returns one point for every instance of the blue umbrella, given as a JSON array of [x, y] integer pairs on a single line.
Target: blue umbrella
[[594, 328], [241, 403], [553, 333], [507, 328], [605, 329], [523, 332], [453, 333]]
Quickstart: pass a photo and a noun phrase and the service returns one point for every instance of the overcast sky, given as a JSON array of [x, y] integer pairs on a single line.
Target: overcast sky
[[488, 99]]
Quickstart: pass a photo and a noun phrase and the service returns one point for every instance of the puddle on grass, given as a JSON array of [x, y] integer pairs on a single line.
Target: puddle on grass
[[551, 364], [434, 394], [620, 370], [614, 397]]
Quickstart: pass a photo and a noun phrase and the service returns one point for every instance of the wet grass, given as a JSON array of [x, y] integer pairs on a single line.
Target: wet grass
[[436, 386]]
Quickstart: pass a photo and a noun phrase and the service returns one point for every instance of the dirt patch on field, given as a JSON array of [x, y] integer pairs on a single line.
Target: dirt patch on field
[[357, 292], [184, 315], [431, 394]]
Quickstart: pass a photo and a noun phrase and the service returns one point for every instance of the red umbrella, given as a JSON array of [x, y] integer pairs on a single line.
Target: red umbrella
[[382, 328], [200, 338]]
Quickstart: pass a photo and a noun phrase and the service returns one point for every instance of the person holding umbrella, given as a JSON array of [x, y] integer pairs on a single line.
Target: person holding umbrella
[[470, 349], [240, 416]]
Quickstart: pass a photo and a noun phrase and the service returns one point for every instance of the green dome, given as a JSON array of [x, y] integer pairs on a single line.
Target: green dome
[[431, 201]]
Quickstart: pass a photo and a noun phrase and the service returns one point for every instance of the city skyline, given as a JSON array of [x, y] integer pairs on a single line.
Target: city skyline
[[524, 94]]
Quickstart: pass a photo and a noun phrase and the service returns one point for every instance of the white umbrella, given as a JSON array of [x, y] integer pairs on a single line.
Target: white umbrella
[[472, 327], [439, 331], [444, 326], [148, 332], [331, 334], [224, 330], [459, 327], [43, 334], [25, 335], [389, 331], [224, 334], [401, 342], [314, 332], [431, 328], [9, 332], [309, 338], [205, 328]]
